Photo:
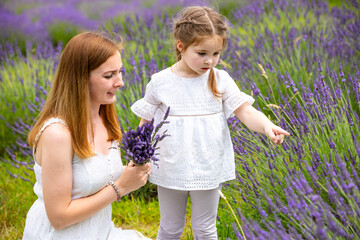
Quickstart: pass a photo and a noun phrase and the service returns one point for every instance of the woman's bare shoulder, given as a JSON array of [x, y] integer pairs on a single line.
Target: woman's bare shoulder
[[56, 134]]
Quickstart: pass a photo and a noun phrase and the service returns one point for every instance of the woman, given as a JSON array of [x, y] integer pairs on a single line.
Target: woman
[[78, 168]]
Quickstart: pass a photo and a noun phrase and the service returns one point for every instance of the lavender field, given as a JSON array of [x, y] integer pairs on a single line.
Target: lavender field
[[300, 61]]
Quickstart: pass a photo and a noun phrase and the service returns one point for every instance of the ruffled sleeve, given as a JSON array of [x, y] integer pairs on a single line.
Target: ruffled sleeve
[[232, 97], [147, 106]]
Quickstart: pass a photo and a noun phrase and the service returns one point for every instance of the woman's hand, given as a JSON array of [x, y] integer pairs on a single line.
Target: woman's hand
[[276, 134], [133, 177]]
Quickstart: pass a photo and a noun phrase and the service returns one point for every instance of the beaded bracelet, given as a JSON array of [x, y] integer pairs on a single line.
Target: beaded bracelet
[[116, 190]]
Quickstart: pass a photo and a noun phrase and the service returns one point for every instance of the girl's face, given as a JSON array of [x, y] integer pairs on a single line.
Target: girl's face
[[201, 57], [106, 80]]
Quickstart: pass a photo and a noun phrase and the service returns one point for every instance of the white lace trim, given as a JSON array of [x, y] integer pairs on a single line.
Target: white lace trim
[[144, 109], [235, 101], [196, 105], [46, 124]]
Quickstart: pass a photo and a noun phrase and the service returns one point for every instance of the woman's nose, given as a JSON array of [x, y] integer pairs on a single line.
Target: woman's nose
[[119, 82]]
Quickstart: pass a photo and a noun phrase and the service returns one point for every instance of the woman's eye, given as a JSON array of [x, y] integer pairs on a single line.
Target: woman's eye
[[108, 76]]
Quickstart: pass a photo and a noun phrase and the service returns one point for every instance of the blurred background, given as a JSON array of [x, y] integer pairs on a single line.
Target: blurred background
[[299, 59]]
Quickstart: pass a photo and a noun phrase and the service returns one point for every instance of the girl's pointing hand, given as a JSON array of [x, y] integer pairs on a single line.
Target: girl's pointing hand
[[276, 134]]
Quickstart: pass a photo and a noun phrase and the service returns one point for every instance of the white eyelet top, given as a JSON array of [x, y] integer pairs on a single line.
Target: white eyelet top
[[90, 175], [199, 153]]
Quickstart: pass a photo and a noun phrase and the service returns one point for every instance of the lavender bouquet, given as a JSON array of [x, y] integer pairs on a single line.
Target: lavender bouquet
[[140, 144]]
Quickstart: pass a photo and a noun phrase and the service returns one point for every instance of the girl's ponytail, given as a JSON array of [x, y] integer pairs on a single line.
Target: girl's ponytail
[[178, 54], [212, 84]]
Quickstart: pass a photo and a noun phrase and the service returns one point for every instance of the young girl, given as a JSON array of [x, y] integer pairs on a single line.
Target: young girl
[[78, 168], [199, 156]]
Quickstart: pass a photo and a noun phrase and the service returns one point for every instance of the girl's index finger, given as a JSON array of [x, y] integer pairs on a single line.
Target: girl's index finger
[[279, 130]]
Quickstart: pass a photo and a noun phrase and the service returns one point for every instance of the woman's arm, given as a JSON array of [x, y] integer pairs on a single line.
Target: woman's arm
[[56, 159], [258, 122]]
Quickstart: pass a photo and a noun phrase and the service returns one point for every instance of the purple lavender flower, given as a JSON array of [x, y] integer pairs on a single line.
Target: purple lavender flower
[[140, 144], [255, 89]]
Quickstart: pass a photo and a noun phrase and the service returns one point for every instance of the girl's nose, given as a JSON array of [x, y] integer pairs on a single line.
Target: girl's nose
[[208, 61]]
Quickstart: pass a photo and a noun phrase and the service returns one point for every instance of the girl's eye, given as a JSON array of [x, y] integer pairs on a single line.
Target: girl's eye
[[201, 53], [217, 53]]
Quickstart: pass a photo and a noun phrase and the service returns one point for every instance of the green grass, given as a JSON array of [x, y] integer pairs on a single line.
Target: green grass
[[16, 197], [135, 213]]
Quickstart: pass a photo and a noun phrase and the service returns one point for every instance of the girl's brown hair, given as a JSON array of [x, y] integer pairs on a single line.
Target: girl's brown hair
[[69, 97], [194, 25]]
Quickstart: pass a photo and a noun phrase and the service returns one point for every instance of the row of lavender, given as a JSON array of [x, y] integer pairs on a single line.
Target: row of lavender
[[34, 20], [309, 187], [40, 20], [300, 62]]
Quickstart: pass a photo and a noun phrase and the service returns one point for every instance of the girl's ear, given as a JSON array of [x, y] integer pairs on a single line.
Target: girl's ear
[[179, 45]]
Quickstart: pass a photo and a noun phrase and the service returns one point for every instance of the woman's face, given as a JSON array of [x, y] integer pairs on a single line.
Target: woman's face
[[106, 80]]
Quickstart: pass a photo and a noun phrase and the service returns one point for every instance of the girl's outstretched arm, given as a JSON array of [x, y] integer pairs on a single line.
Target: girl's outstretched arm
[[258, 122]]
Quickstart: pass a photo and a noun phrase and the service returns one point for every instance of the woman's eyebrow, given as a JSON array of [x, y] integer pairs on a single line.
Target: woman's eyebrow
[[111, 71]]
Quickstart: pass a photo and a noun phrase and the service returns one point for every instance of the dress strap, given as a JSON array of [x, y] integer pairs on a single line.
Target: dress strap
[[46, 124], [114, 144]]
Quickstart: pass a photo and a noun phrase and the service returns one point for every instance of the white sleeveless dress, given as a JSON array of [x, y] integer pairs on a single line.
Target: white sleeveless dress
[[89, 176]]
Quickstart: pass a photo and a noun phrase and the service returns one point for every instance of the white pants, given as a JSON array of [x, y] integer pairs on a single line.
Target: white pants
[[204, 205]]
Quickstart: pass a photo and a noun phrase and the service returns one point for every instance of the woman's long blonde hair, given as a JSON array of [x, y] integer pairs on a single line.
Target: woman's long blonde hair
[[69, 97], [194, 25]]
